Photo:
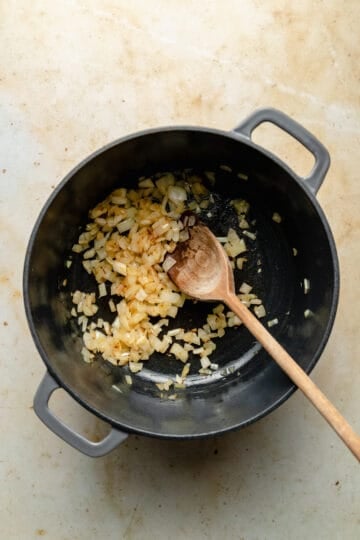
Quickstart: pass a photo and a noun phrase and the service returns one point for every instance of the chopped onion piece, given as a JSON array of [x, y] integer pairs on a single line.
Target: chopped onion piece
[[234, 321], [135, 367], [77, 248], [276, 217], [141, 295], [88, 357], [128, 379], [102, 290], [84, 324], [174, 332], [88, 265], [125, 225], [192, 221], [147, 183], [240, 262], [259, 311], [245, 288], [119, 267], [218, 309], [165, 385], [168, 263], [185, 371], [240, 205], [205, 362], [273, 322], [226, 168], [205, 371], [184, 235], [89, 254], [179, 352], [250, 235], [118, 200], [176, 194], [306, 285], [234, 245]]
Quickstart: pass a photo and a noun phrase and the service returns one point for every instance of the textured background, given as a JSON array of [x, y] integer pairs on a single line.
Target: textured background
[[75, 75]]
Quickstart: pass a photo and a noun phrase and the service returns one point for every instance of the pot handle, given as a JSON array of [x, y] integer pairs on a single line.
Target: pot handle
[[284, 122], [93, 449]]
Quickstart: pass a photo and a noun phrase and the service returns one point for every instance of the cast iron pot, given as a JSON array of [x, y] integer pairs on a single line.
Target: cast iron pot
[[248, 384]]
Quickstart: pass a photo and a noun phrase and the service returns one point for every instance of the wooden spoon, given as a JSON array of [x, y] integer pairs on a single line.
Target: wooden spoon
[[201, 269]]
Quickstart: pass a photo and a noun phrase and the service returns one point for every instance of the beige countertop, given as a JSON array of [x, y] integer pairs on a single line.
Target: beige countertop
[[75, 75]]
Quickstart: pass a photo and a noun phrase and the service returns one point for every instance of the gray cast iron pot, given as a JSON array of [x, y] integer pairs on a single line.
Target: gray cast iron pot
[[248, 385]]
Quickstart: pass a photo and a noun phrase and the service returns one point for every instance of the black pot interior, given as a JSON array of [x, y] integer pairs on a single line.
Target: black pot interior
[[248, 384]]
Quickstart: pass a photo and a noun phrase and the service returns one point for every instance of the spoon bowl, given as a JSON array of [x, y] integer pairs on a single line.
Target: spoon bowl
[[201, 266]]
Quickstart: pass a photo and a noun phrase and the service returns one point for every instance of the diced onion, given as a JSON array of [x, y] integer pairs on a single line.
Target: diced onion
[[165, 385], [185, 371], [168, 263], [245, 288], [176, 194], [250, 235], [135, 367], [226, 168], [306, 285], [147, 183], [125, 225], [240, 262], [205, 371], [179, 352], [205, 362], [260, 311], [127, 248], [119, 267], [102, 290]]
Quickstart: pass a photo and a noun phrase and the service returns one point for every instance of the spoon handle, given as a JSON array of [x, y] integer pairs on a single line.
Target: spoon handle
[[296, 374]]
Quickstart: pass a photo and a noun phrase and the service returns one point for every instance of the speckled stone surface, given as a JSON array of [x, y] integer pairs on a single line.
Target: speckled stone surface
[[75, 75]]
